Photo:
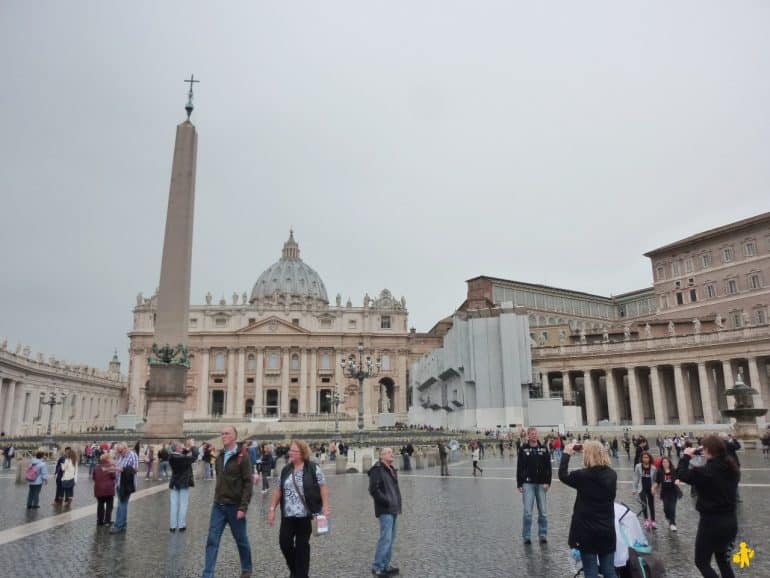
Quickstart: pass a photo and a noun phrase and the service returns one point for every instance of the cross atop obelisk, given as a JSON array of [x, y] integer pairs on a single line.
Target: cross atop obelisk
[[189, 107]]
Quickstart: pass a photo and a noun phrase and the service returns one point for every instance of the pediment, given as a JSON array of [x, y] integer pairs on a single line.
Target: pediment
[[273, 326]]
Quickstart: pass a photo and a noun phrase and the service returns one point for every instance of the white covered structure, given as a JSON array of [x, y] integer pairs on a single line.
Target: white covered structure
[[480, 377]]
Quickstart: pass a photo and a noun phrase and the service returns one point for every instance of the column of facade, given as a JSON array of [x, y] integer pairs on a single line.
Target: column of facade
[[231, 379], [590, 394], [8, 417], [259, 395], [313, 383], [400, 395], [566, 386], [339, 377], [3, 388], [546, 385], [657, 396], [285, 383], [240, 386], [727, 370], [705, 393], [613, 401], [303, 381], [683, 397], [753, 364], [635, 397], [203, 384]]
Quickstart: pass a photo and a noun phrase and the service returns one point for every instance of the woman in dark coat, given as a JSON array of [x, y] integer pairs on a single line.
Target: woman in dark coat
[[592, 530]]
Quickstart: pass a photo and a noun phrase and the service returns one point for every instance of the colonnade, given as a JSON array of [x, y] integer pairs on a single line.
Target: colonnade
[[669, 392]]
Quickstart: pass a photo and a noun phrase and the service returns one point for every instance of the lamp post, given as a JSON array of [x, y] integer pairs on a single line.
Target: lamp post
[[360, 369], [51, 400], [336, 401]]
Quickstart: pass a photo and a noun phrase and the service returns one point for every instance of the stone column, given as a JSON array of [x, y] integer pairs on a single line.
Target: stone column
[[313, 381], [546, 385], [240, 389], [8, 418], [339, 377], [259, 395], [285, 383], [3, 390], [303, 371], [400, 399], [203, 384], [231, 378], [705, 393], [567, 385], [727, 369], [635, 394], [590, 393], [755, 382], [613, 401], [683, 399], [658, 402]]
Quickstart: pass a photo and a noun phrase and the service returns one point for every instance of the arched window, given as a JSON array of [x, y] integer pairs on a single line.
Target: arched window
[[294, 362]]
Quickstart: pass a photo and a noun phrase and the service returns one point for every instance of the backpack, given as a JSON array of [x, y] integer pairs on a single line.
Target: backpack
[[32, 472]]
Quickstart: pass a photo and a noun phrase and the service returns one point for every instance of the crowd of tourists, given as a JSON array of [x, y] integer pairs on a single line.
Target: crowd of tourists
[[709, 466]]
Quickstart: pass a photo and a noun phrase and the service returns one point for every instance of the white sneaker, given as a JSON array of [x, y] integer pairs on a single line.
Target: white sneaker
[[672, 527]]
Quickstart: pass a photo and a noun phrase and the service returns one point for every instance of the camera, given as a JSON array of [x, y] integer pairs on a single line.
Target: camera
[[698, 451], [577, 447]]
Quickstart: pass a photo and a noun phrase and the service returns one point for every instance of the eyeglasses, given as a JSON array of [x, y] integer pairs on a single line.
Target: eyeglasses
[[226, 433]]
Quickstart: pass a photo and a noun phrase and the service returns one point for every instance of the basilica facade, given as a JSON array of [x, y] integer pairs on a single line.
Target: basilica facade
[[277, 352]]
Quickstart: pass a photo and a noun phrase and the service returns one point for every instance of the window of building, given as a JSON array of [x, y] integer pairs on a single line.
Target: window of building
[[218, 380], [678, 284], [295, 322], [761, 316], [294, 362], [219, 361], [325, 380], [352, 324], [732, 287], [385, 322], [385, 362], [736, 318], [706, 260], [679, 298], [754, 281], [664, 301], [273, 360], [252, 320], [326, 360], [326, 323], [251, 362], [693, 295], [220, 322], [295, 379], [660, 272], [750, 249], [676, 268], [249, 380], [727, 254], [193, 323], [688, 265], [711, 291]]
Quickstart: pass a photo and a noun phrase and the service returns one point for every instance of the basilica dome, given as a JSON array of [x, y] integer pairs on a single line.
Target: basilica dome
[[289, 277]]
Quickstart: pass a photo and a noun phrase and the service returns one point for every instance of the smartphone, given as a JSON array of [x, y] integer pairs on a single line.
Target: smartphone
[[578, 447]]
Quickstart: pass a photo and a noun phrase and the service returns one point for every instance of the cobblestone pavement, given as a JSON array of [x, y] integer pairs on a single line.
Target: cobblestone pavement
[[458, 526]]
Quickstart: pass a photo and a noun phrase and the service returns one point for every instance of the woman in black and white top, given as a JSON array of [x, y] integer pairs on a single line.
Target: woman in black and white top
[[302, 493]]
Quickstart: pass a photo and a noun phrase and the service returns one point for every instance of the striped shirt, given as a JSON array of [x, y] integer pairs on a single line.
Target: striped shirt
[[128, 459]]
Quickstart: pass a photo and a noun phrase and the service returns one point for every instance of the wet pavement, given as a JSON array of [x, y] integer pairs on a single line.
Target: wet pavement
[[458, 526]]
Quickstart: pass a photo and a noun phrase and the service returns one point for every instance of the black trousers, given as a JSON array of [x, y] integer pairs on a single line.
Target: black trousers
[[715, 538], [104, 509], [294, 539], [648, 501], [669, 505]]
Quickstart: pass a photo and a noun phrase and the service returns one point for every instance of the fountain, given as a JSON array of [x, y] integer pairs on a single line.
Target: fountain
[[744, 412]]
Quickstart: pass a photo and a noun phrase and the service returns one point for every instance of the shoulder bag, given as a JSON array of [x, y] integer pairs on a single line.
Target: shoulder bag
[[318, 522]]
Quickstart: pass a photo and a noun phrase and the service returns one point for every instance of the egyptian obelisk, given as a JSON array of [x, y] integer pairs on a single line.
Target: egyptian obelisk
[[169, 361]]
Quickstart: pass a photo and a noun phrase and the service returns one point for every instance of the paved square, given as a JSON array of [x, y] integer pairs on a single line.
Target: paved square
[[458, 527]]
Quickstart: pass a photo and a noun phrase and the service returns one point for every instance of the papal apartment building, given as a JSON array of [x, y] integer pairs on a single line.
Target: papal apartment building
[[662, 355]]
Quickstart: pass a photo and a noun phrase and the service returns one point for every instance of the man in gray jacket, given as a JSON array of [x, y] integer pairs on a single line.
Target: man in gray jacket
[[383, 487]]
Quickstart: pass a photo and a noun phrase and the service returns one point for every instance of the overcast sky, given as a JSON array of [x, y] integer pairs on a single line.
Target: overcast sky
[[411, 145]]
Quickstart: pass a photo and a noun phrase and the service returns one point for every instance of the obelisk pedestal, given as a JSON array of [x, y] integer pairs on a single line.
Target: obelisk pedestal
[[169, 362]]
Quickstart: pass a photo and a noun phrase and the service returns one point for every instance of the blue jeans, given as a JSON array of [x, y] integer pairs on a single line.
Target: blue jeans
[[222, 515], [163, 469], [384, 550], [593, 564], [179, 500], [532, 493], [121, 516]]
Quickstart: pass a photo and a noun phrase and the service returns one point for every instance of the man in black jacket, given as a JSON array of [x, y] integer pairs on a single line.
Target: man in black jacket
[[383, 487], [533, 478]]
